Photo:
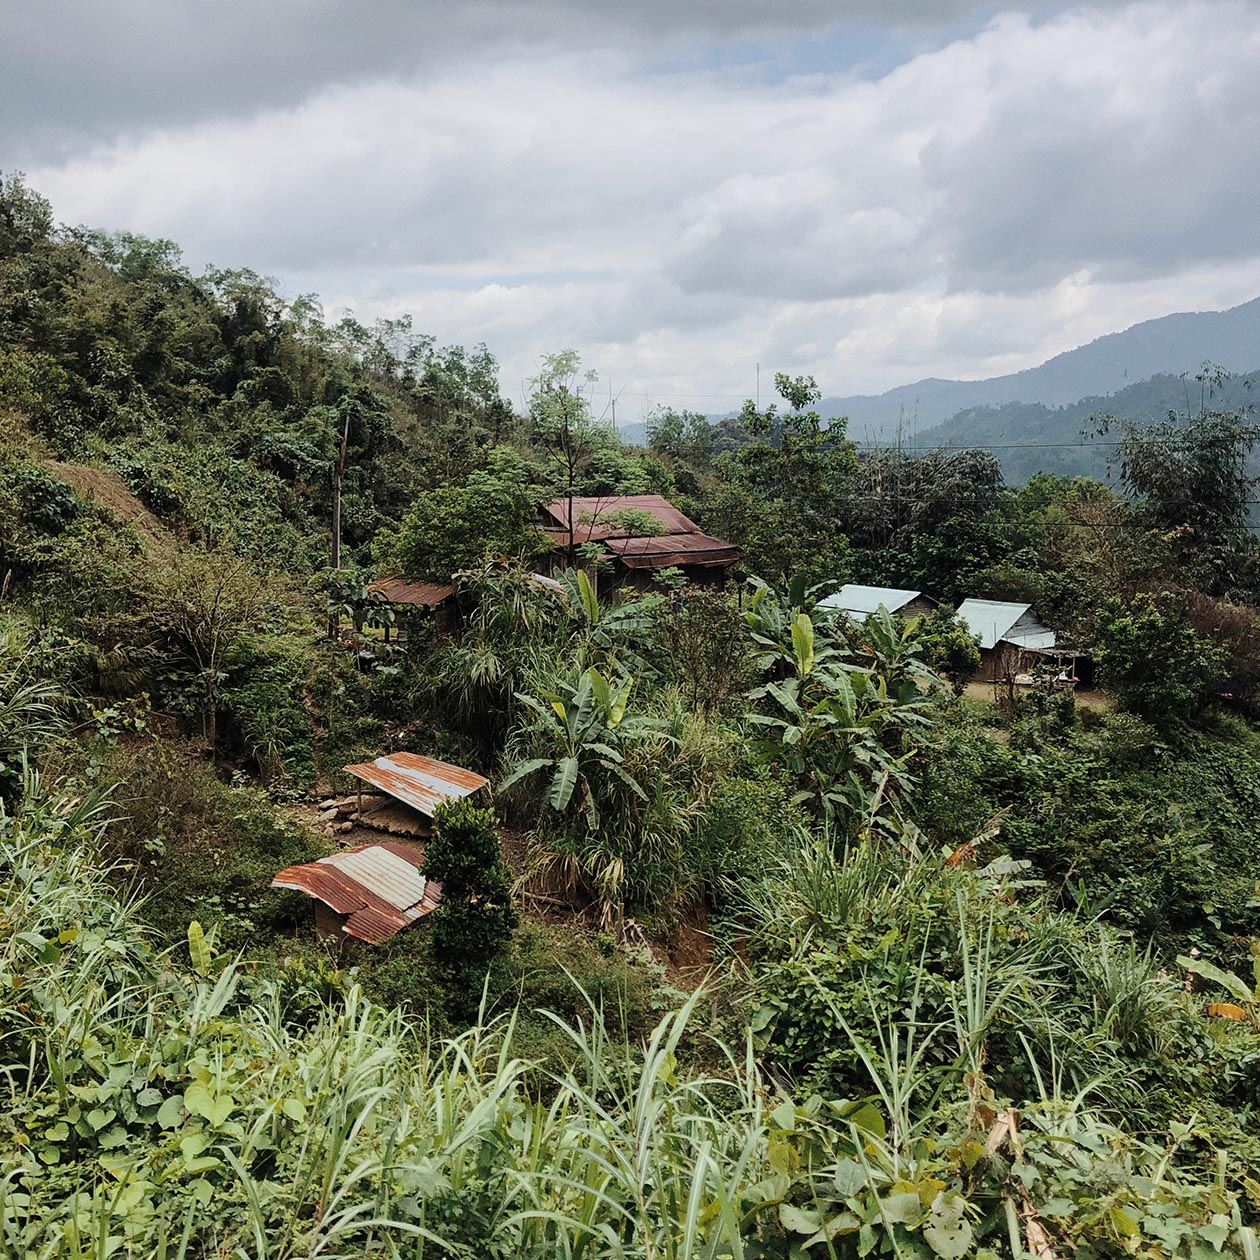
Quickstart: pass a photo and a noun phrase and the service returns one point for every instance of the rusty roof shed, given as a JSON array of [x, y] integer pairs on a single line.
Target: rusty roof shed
[[401, 590], [424, 783], [375, 890]]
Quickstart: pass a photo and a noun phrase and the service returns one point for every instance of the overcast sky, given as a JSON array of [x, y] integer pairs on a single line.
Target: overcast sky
[[872, 191]]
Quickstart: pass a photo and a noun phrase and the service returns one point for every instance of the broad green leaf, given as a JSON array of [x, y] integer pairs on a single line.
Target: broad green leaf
[[902, 1209], [1123, 1223], [170, 1112], [201, 1102], [525, 768], [1226, 979], [948, 1232], [563, 783], [294, 1108], [850, 1178], [798, 1220], [198, 949], [600, 689], [620, 700], [590, 601], [803, 644], [784, 1115]]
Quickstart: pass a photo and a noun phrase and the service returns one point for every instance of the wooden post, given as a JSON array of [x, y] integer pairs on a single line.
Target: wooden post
[[360, 813]]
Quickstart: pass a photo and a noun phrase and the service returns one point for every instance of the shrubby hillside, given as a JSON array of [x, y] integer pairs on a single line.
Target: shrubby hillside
[[779, 936]]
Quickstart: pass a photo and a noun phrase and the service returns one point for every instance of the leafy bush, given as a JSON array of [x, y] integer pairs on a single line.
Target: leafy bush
[[475, 917], [1149, 654], [265, 695]]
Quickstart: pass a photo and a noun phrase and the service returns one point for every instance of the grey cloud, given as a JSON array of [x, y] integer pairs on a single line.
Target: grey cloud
[[792, 236], [1127, 170], [76, 73]]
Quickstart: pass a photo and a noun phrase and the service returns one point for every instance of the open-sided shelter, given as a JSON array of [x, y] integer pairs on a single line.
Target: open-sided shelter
[[405, 595], [423, 783]]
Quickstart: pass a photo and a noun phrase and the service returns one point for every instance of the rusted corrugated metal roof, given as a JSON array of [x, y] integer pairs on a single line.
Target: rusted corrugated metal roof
[[665, 550], [421, 782], [378, 887], [591, 515], [400, 590]]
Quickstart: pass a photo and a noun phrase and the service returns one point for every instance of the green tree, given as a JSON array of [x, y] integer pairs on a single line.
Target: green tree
[[779, 500], [1195, 479], [476, 917], [686, 436], [949, 648], [561, 424], [1149, 655], [203, 604], [455, 527]]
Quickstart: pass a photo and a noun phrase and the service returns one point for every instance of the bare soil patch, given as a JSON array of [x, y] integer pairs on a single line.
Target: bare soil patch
[[107, 488]]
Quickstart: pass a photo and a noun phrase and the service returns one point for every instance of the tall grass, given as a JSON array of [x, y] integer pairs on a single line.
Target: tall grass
[[172, 1104]]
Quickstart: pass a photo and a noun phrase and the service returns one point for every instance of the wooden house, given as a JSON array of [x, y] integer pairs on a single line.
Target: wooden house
[[639, 534]]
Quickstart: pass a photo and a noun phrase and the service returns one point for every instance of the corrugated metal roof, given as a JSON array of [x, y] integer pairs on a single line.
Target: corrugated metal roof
[[860, 601], [665, 550], [421, 782], [591, 513], [1031, 640], [378, 887], [995, 620], [547, 583], [400, 590]]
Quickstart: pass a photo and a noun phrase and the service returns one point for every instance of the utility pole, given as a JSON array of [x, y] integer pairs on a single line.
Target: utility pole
[[339, 469], [758, 386]]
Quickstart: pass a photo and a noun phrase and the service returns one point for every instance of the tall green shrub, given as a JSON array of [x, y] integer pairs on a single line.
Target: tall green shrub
[[476, 916]]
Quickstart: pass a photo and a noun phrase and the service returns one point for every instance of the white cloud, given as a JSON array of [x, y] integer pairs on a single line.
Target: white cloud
[[981, 206]]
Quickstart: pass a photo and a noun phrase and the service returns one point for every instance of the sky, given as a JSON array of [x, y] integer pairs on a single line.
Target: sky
[[868, 191]]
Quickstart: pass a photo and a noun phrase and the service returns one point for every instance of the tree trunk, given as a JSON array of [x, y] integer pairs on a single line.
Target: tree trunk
[[212, 718]]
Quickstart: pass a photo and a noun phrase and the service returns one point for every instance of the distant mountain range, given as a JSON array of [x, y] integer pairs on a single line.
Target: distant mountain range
[[1031, 437], [1170, 345], [1035, 419]]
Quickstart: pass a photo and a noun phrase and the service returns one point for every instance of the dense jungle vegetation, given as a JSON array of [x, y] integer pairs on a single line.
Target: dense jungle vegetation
[[779, 941]]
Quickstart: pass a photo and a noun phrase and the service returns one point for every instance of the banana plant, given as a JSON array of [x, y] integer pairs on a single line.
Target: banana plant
[[608, 631], [787, 636], [582, 728], [897, 647], [838, 727], [1248, 995]]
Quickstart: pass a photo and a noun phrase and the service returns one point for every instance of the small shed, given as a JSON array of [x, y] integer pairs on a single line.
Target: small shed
[[859, 602], [1011, 637], [423, 783], [404, 593], [370, 893]]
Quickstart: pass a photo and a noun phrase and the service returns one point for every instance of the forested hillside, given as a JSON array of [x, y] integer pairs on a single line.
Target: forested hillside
[[776, 933], [1079, 439]]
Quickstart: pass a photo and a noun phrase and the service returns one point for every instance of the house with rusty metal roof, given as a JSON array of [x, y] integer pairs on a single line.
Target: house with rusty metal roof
[[639, 533], [406, 595], [370, 892]]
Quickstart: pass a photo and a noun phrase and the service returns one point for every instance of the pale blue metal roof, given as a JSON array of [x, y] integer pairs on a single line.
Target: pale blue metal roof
[[996, 620], [859, 601]]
